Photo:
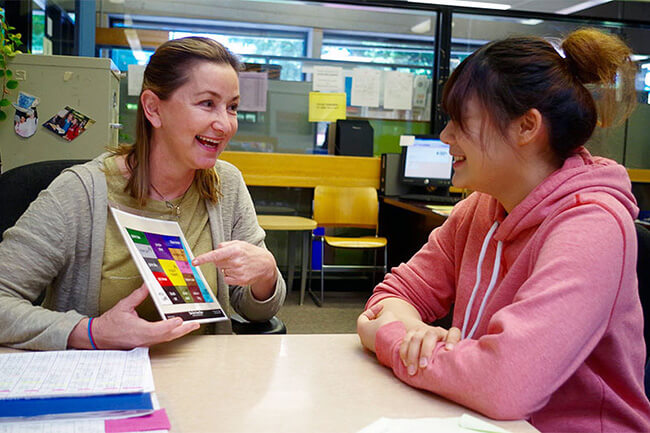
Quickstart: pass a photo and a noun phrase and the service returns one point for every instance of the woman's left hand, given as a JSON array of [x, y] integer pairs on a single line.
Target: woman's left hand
[[243, 264]]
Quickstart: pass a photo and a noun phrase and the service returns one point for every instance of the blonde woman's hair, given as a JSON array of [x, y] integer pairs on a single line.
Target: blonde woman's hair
[[169, 69]]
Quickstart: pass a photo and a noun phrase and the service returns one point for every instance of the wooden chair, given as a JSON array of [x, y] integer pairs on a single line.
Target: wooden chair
[[353, 207]]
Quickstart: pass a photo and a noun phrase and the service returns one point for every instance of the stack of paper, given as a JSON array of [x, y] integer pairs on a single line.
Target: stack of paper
[[463, 424], [78, 390]]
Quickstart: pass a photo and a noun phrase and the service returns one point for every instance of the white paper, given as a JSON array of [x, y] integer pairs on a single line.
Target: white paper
[[406, 140], [476, 424], [398, 90], [47, 47], [60, 426], [463, 424], [135, 76], [328, 79], [164, 259], [70, 373], [253, 87], [365, 87], [55, 426]]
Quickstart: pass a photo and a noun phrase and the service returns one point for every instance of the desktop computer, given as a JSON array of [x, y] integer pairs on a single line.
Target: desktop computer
[[390, 184], [427, 168]]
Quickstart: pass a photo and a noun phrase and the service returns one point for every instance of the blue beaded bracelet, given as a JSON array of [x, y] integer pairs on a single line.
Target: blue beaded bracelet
[[90, 333]]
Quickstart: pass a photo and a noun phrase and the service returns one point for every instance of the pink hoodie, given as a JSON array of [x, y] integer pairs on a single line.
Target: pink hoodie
[[559, 340]]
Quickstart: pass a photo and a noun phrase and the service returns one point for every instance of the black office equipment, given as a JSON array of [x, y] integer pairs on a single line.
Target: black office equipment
[[354, 138], [389, 181], [433, 198], [427, 168]]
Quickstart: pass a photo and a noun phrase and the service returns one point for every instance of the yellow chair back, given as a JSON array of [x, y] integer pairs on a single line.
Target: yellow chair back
[[346, 206]]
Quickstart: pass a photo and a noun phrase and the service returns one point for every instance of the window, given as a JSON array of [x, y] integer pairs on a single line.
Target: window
[[407, 55], [266, 45]]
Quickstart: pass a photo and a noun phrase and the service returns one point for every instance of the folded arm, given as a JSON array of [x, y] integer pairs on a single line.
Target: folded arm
[[535, 344]]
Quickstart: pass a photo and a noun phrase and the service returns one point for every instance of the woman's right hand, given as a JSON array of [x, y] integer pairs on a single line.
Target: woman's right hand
[[122, 328], [419, 342]]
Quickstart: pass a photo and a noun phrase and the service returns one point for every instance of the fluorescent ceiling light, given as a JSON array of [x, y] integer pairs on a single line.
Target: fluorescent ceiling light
[[464, 3], [581, 6], [531, 21]]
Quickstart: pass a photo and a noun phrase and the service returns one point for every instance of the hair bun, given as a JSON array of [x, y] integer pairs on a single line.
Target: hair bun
[[603, 61], [594, 56]]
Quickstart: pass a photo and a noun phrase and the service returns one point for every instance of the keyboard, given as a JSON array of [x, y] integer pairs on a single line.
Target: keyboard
[[431, 198]]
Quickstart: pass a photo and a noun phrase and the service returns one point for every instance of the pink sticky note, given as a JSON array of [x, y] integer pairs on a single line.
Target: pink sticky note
[[156, 421]]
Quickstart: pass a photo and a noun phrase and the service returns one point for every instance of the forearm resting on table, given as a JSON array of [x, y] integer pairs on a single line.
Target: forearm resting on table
[[404, 311]]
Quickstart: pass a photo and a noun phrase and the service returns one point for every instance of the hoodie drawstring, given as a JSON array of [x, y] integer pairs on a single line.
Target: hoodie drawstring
[[493, 280]]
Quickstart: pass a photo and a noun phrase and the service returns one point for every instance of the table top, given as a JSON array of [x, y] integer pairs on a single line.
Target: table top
[[414, 206], [285, 383], [285, 222]]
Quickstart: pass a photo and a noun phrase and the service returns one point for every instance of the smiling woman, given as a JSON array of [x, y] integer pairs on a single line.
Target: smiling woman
[[539, 262], [187, 113]]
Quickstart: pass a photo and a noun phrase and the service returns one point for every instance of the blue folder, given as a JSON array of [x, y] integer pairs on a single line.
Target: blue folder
[[96, 405]]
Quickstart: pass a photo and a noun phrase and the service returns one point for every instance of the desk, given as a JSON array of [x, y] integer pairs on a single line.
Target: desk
[[407, 225], [285, 383]]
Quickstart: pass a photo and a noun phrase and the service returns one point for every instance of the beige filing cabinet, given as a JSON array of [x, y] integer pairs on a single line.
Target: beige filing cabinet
[[89, 85]]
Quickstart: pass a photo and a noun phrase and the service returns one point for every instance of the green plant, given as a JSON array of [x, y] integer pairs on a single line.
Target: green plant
[[8, 43]]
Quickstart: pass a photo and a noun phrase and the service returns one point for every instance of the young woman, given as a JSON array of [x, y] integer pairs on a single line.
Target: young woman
[[539, 262], [68, 245]]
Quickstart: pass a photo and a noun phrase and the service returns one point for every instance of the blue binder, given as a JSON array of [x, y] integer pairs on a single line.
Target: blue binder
[[96, 405]]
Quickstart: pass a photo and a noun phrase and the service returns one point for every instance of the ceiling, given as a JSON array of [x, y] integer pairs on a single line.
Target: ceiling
[[552, 6], [545, 6]]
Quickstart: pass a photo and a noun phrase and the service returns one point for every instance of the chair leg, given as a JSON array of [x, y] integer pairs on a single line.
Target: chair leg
[[385, 261], [308, 282], [309, 290], [291, 253], [305, 262], [322, 273]]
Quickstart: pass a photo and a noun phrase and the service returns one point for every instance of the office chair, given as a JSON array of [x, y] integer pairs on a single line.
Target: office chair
[[241, 326], [21, 185], [354, 207]]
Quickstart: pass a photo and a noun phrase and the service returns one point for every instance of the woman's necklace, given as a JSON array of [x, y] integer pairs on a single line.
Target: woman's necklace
[[175, 208]]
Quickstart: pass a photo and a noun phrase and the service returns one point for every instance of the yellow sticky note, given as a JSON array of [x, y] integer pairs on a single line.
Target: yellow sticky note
[[326, 107]]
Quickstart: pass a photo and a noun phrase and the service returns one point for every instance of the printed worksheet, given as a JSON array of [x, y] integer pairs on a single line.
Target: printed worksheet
[[70, 373], [164, 260]]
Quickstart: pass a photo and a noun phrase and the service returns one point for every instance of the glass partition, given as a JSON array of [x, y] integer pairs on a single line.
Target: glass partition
[[291, 41], [626, 143]]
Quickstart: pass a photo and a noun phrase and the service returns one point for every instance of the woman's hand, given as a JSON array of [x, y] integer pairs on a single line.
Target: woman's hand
[[369, 323], [122, 328], [418, 344], [244, 264]]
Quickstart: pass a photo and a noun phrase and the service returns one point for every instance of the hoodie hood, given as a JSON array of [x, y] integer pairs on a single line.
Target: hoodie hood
[[580, 174]]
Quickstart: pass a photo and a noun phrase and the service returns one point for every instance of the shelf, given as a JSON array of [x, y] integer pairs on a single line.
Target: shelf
[[304, 171]]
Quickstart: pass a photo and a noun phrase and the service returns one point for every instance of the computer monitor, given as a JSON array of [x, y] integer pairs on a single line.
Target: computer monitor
[[426, 162]]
